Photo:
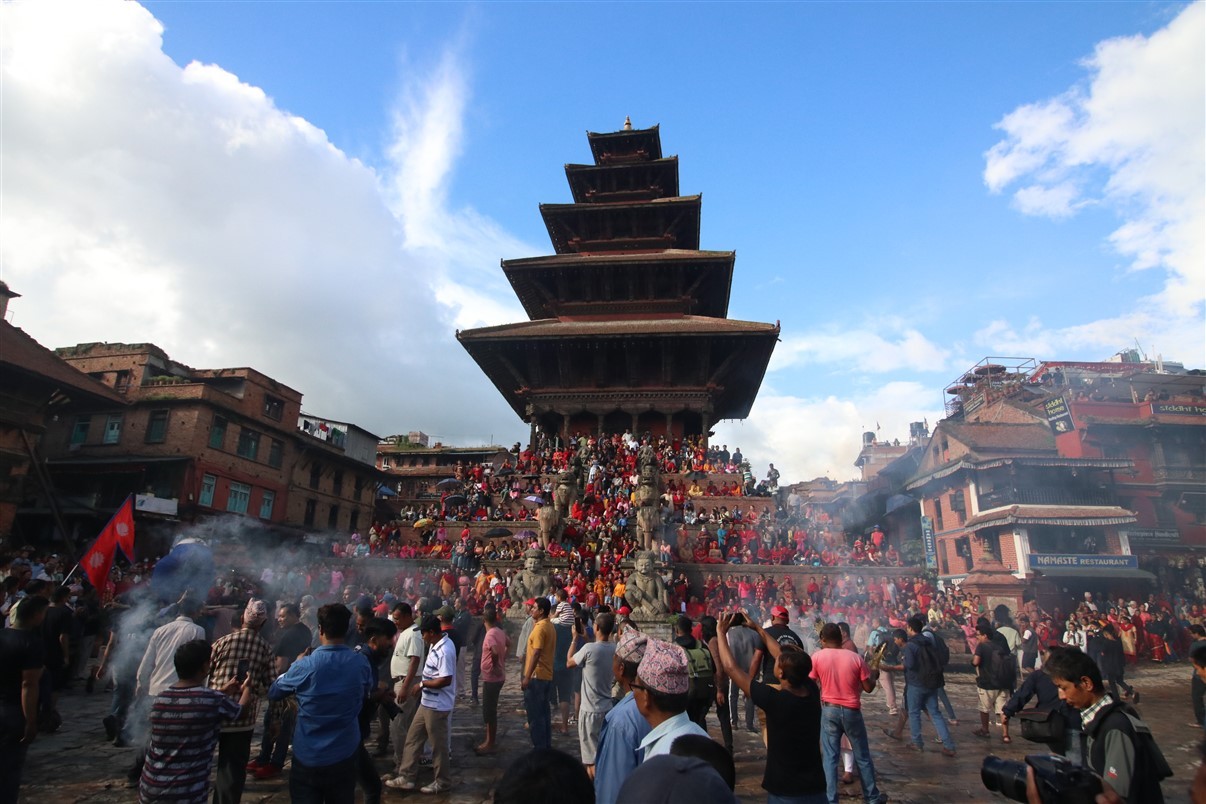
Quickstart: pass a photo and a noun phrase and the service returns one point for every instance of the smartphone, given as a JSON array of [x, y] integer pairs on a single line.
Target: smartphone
[[243, 668]]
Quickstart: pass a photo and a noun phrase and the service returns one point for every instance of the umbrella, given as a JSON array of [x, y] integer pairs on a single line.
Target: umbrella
[[498, 533], [506, 470], [898, 501], [533, 501], [385, 491], [455, 499], [526, 535], [448, 483], [422, 523]]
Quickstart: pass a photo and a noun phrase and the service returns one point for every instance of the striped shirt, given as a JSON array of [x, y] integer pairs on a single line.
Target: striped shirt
[[564, 613], [184, 731]]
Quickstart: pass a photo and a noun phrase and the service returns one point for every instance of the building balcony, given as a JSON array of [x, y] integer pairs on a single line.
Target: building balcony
[[999, 498], [1162, 473]]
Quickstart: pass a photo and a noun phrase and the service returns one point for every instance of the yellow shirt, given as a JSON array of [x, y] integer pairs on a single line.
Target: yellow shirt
[[544, 639], [619, 590]]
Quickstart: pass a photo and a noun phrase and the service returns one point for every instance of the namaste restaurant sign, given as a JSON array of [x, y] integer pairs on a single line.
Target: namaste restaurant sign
[[1052, 560]]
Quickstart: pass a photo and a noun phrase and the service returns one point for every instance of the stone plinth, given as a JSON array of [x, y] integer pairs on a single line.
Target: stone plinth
[[996, 585], [657, 628]]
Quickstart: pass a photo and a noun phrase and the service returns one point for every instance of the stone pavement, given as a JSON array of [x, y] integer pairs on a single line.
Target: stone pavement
[[77, 765]]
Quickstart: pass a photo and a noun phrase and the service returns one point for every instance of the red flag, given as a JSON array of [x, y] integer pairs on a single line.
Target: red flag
[[122, 525], [98, 561]]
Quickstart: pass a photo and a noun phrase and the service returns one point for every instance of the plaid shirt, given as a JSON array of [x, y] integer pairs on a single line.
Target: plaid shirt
[[1087, 715], [224, 665]]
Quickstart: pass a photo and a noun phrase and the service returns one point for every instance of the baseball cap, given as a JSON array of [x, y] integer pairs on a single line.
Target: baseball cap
[[778, 611]]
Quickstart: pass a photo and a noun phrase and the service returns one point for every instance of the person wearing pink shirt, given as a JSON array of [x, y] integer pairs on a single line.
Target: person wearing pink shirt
[[494, 671], [843, 677]]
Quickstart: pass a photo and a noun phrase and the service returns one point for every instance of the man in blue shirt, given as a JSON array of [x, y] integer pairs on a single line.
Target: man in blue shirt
[[330, 684], [623, 727]]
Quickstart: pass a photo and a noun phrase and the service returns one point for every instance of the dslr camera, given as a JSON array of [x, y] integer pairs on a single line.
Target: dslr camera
[[1059, 781]]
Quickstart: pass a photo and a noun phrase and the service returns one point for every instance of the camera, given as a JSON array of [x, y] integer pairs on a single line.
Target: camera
[[1058, 780], [391, 708]]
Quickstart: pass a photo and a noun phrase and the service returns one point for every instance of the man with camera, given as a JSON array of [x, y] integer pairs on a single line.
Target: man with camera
[[1118, 744]]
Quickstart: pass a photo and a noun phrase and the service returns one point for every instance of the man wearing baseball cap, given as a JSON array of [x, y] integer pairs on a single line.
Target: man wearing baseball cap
[[623, 727], [662, 691]]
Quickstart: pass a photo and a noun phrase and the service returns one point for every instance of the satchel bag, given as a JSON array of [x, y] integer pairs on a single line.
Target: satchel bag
[[1040, 726]]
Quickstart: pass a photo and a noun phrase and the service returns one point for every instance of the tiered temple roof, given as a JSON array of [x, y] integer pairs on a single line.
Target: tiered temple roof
[[628, 325]]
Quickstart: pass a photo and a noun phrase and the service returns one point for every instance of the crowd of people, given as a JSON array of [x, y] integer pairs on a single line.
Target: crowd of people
[[409, 650], [329, 654]]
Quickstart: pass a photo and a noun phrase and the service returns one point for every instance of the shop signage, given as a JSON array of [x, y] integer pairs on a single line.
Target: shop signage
[[1171, 409], [1059, 418], [150, 504], [927, 538], [1154, 537], [1050, 560]]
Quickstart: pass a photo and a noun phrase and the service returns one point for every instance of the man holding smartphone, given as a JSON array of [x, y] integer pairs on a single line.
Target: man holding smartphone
[[242, 652]]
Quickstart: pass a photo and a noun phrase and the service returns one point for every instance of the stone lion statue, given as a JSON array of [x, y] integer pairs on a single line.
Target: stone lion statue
[[646, 592], [533, 580], [551, 525]]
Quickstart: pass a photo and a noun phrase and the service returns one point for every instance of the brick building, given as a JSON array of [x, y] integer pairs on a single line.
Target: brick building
[[37, 390], [1065, 475], [195, 443]]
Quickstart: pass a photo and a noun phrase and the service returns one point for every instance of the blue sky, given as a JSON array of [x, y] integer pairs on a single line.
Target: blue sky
[[324, 190]]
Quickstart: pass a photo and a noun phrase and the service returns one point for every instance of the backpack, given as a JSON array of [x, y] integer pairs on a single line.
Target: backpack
[[1031, 645], [1000, 671], [940, 646], [1150, 765], [701, 670], [929, 667]]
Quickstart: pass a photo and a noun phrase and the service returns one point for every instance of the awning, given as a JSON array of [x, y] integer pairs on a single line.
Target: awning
[[1073, 515], [1111, 573]]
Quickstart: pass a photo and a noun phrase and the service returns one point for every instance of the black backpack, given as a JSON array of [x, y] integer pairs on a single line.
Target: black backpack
[[943, 650], [1000, 671], [1150, 765], [929, 665]]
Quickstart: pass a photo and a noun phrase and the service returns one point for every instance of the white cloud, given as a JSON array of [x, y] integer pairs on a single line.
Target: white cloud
[[806, 437], [144, 201], [461, 248], [1130, 138], [884, 347]]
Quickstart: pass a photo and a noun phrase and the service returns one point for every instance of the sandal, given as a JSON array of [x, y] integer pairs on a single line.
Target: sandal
[[1007, 739], [980, 733]]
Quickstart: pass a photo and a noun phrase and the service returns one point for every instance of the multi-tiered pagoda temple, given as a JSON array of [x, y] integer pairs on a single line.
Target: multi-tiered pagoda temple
[[629, 326]]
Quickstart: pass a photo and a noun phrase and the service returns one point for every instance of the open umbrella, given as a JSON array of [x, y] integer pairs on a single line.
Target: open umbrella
[[506, 470], [498, 533], [526, 535], [422, 524], [533, 501], [448, 483], [455, 499]]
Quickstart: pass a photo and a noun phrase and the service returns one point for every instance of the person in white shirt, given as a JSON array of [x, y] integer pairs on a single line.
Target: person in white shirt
[[404, 667], [157, 672], [437, 691]]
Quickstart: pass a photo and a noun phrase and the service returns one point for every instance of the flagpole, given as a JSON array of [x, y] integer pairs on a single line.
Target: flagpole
[[68, 578]]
